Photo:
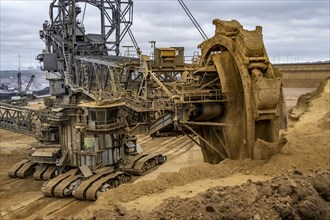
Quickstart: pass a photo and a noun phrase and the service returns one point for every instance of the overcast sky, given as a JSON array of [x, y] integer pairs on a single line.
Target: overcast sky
[[293, 30]]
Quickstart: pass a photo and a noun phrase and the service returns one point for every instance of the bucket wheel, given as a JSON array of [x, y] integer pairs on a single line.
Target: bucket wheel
[[254, 109]]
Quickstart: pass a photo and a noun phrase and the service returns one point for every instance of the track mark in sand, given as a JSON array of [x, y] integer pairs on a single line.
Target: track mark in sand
[[144, 140], [16, 185], [13, 208], [159, 149], [184, 145], [52, 207], [72, 209], [154, 144], [168, 145], [181, 151], [8, 181], [148, 203]]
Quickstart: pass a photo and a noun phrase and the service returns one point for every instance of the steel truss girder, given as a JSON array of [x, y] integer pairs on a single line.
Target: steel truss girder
[[111, 77], [116, 17], [18, 119]]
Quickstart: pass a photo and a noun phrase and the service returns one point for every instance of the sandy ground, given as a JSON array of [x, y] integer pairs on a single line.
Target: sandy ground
[[183, 176]]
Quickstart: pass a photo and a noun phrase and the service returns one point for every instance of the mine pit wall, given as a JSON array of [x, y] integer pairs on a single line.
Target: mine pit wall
[[304, 75]]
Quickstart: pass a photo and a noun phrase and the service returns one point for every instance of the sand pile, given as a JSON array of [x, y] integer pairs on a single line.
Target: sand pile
[[308, 149], [294, 196], [305, 99]]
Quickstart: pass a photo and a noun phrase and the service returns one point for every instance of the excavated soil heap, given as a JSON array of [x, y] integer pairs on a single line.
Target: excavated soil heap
[[294, 196], [304, 100], [291, 196]]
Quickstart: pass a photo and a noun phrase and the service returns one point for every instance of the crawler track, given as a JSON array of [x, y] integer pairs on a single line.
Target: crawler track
[[49, 173], [74, 183], [80, 191], [113, 180], [22, 169], [146, 163], [32, 204], [40, 170], [44, 172], [65, 187], [49, 187]]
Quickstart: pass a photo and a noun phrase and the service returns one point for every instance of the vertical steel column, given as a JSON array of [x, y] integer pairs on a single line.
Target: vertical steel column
[[117, 19], [103, 22]]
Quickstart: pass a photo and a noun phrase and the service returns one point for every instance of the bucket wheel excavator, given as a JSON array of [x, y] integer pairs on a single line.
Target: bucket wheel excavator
[[230, 98]]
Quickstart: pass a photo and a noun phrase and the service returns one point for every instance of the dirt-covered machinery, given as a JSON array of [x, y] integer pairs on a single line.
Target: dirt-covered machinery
[[230, 97]]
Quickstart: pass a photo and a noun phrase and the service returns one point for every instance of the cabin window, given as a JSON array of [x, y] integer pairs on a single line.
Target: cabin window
[[101, 116], [93, 115], [112, 115]]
